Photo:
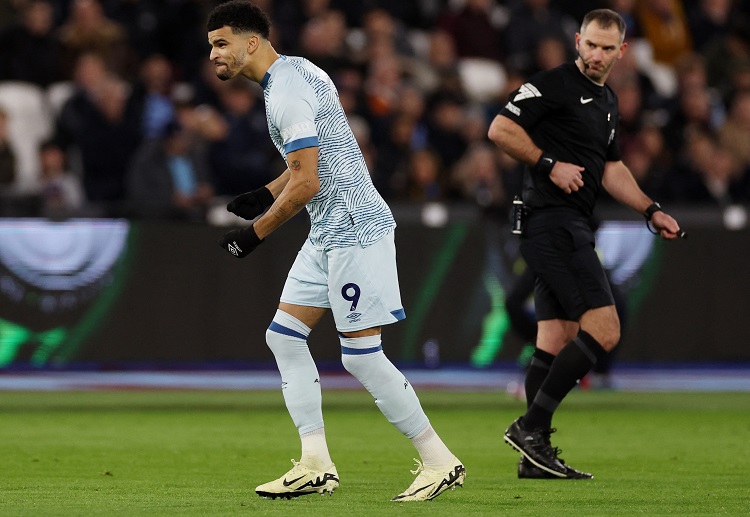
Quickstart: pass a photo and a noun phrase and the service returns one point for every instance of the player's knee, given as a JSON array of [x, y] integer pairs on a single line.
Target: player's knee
[[274, 340], [607, 336], [610, 339], [350, 363], [358, 353]]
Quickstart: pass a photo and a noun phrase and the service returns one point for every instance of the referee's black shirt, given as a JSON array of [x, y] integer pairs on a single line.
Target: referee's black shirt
[[573, 119]]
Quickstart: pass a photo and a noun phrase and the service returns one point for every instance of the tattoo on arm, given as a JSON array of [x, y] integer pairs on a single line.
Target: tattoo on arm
[[295, 165]]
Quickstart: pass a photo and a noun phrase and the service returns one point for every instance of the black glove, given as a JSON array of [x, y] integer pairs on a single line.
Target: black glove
[[240, 242], [251, 204]]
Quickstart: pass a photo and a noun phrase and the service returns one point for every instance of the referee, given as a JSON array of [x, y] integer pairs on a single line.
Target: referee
[[562, 124]]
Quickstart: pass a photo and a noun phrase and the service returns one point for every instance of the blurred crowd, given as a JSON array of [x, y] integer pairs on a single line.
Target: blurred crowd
[[112, 108]]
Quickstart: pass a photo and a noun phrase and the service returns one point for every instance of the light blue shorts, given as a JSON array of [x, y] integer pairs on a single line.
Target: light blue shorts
[[359, 285]]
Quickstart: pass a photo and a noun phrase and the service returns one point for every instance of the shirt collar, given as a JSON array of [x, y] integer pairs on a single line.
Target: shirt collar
[[267, 77]]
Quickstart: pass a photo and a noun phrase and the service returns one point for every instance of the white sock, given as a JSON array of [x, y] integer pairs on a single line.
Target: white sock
[[315, 450], [432, 450], [300, 384], [363, 357]]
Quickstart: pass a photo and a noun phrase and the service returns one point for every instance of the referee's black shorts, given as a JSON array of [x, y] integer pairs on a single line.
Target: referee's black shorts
[[558, 245]]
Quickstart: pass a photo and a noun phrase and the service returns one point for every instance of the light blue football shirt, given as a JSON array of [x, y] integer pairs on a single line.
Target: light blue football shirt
[[303, 110]]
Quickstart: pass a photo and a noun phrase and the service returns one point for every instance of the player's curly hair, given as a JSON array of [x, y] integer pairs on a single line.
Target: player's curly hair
[[241, 16]]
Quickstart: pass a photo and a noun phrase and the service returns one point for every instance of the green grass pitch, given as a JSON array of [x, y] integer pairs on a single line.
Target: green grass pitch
[[202, 453]]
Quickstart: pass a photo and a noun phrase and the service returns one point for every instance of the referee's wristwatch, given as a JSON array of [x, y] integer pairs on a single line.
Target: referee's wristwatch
[[651, 210]]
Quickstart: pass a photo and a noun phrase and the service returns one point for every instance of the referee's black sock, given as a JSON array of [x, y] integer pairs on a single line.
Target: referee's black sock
[[571, 364], [536, 373]]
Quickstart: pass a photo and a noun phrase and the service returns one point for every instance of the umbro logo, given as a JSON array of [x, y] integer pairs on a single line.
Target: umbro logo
[[586, 101], [234, 249], [526, 91], [354, 317]]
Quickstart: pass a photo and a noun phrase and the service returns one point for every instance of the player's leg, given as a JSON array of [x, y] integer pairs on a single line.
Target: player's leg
[[364, 295], [299, 311]]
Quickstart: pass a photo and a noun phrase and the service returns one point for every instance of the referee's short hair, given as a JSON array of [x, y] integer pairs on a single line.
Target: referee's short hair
[[605, 18]]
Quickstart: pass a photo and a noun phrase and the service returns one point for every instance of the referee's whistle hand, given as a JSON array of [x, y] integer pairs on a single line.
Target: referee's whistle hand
[[666, 225], [567, 176]]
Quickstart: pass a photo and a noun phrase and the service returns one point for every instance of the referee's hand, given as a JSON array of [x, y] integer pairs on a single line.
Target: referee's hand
[[567, 176], [666, 225]]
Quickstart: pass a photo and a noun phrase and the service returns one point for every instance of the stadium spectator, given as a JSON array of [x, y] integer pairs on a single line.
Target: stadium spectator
[[726, 56], [243, 159], [62, 195], [30, 51], [322, 40], [445, 125], [426, 179], [478, 178], [628, 72], [169, 178], [709, 21], [104, 125], [664, 24], [87, 29], [391, 171], [550, 52], [709, 173], [476, 28], [734, 135], [440, 75], [7, 155], [649, 161], [694, 111], [154, 93], [627, 9], [531, 21]]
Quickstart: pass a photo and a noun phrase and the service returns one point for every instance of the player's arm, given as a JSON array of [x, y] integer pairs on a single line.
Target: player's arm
[[621, 185], [296, 187], [292, 191], [514, 140], [251, 204]]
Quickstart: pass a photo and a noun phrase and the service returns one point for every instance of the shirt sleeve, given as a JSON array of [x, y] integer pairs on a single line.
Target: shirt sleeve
[[292, 109], [533, 99]]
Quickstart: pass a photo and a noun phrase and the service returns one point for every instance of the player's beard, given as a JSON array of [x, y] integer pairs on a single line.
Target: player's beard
[[226, 73], [232, 65]]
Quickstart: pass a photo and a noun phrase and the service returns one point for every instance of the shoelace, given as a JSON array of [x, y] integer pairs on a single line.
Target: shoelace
[[419, 465]]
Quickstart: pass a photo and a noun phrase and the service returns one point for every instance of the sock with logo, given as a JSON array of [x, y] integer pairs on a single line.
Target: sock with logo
[[300, 385], [394, 395], [363, 357], [571, 364]]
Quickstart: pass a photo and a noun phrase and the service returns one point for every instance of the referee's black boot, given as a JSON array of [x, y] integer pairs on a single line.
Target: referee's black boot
[[536, 447], [527, 470]]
